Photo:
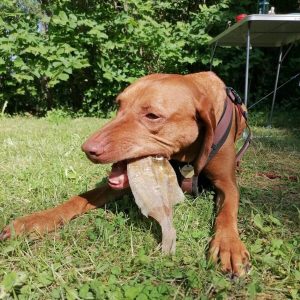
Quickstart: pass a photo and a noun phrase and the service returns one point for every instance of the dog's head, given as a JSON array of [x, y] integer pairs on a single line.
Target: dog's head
[[160, 114]]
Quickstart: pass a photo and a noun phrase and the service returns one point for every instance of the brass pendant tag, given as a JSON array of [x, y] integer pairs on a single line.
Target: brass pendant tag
[[187, 171]]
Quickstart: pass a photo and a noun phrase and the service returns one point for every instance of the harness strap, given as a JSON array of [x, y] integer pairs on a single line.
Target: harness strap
[[245, 146], [190, 185], [222, 130], [236, 99]]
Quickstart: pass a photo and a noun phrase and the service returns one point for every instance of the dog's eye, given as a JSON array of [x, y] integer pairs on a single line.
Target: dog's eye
[[152, 116]]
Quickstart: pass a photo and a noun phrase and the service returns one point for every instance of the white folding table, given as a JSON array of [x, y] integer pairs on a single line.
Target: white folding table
[[261, 31]]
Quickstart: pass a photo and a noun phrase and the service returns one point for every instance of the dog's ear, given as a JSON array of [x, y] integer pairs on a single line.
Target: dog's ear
[[207, 125]]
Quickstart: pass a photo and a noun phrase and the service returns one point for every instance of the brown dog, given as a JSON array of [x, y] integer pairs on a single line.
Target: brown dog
[[174, 116]]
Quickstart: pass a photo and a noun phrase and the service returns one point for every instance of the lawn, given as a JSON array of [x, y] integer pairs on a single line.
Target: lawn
[[112, 253]]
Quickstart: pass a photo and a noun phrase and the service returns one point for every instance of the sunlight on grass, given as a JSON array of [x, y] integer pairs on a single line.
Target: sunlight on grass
[[113, 253]]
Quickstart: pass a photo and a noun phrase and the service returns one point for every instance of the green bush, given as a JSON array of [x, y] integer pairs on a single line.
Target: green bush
[[78, 54]]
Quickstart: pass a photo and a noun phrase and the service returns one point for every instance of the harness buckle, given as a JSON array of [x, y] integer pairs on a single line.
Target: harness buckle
[[234, 96]]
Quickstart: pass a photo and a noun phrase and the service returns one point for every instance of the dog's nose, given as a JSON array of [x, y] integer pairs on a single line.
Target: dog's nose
[[92, 150]]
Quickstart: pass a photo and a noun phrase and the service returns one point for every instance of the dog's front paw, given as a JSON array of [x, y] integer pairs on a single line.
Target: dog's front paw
[[17, 227], [35, 224], [5, 234], [231, 252]]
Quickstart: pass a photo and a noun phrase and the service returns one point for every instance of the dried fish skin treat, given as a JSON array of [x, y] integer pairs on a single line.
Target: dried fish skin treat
[[153, 183], [155, 188], [164, 173]]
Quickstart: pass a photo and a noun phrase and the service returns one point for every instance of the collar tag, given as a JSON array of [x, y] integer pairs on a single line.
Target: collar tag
[[187, 171]]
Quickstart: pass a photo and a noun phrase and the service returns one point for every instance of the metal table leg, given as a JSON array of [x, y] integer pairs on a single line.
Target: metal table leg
[[275, 87], [280, 60], [247, 65]]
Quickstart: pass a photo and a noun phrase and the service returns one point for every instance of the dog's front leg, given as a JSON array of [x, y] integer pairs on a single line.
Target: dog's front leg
[[226, 245], [50, 219]]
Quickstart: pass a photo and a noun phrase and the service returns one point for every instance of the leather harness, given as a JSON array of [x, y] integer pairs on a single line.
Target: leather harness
[[233, 103]]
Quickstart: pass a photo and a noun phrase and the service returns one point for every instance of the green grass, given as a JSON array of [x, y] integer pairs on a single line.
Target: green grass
[[112, 253]]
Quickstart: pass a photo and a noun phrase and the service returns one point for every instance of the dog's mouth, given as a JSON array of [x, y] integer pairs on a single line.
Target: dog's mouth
[[117, 178]]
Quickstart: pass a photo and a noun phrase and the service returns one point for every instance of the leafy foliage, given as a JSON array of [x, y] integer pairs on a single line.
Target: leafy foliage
[[80, 54]]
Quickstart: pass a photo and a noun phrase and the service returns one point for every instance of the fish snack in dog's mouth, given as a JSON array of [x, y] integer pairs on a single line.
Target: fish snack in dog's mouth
[[155, 188]]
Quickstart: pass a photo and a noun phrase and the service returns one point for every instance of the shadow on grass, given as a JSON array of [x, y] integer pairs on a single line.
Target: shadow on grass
[[271, 184], [282, 202], [131, 211], [281, 118]]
